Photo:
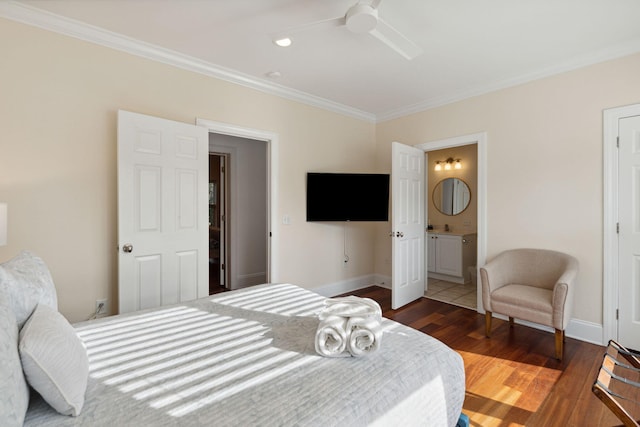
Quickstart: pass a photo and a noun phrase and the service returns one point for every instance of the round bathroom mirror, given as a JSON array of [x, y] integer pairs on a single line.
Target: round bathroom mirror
[[451, 196]]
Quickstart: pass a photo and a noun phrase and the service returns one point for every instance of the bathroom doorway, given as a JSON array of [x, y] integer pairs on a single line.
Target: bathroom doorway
[[452, 214]]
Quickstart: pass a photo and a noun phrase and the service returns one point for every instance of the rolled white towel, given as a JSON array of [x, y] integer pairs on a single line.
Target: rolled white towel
[[331, 337], [351, 306], [364, 335]]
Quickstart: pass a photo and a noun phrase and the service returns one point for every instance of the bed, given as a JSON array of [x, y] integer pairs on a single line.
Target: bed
[[247, 358]]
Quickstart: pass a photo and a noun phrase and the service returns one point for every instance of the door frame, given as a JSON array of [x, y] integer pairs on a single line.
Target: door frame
[[481, 140], [271, 139], [611, 255]]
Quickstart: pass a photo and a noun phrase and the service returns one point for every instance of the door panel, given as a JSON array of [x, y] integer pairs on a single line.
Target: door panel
[[407, 206], [629, 237], [162, 211]]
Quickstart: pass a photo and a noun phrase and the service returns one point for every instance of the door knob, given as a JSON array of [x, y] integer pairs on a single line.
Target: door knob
[[128, 248], [400, 234]]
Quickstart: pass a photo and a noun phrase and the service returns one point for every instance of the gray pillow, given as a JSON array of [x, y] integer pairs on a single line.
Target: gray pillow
[[25, 282], [54, 360], [13, 387]]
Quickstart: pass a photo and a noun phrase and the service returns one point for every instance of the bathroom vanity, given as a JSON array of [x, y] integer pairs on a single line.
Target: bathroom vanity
[[449, 255]]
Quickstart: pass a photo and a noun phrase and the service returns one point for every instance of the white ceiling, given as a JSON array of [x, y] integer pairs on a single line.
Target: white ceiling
[[469, 46]]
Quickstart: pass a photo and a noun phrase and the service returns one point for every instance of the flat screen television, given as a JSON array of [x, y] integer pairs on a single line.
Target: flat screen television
[[347, 197]]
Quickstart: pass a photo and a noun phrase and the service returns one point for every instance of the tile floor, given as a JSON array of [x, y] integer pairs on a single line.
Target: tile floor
[[452, 293]]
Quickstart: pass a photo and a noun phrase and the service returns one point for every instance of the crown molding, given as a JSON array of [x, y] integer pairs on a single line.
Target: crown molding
[[70, 27], [49, 21], [618, 51]]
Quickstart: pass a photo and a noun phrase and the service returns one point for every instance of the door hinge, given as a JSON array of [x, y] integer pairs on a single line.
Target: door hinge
[[270, 235], [617, 227], [222, 169], [617, 142], [617, 314], [221, 266]]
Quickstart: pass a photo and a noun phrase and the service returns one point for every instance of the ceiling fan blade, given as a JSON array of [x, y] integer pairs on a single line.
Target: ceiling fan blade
[[395, 40], [326, 23]]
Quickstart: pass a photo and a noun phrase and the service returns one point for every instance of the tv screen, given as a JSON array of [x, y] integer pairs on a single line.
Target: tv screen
[[347, 197]]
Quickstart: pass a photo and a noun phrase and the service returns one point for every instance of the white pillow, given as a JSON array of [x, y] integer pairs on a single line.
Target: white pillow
[[54, 360], [25, 282], [13, 387]]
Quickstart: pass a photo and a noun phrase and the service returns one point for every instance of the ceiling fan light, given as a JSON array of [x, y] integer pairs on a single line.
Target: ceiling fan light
[[283, 42]]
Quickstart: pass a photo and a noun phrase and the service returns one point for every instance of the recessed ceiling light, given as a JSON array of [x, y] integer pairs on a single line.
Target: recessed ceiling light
[[283, 42]]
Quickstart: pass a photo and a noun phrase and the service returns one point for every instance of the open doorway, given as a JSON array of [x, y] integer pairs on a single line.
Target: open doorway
[[238, 232], [452, 215], [217, 222], [480, 139], [270, 142]]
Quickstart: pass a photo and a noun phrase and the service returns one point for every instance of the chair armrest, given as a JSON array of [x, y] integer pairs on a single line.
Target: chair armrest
[[563, 291]]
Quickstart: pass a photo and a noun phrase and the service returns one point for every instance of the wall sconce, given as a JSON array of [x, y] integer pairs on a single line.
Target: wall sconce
[[3, 224], [448, 164]]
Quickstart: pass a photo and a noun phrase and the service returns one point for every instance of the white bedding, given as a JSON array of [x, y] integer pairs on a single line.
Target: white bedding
[[247, 358]]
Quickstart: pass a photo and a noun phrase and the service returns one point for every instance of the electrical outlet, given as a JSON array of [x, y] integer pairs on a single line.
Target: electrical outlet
[[102, 306]]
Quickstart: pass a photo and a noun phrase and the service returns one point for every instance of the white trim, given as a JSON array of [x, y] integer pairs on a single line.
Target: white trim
[[580, 61], [70, 27], [585, 331], [610, 284], [272, 140], [31, 15], [349, 285], [481, 140], [578, 329]]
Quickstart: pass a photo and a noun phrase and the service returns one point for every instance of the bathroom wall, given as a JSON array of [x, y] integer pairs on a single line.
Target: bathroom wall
[[468, 155]]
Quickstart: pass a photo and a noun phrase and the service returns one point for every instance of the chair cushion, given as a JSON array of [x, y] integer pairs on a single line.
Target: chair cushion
[[524, 302]]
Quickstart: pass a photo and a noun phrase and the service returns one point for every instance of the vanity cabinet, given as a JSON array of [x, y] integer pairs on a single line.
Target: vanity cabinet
[[449, 256]]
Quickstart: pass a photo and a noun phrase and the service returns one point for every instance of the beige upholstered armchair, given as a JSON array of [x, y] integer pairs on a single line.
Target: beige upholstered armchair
[[536, 285]]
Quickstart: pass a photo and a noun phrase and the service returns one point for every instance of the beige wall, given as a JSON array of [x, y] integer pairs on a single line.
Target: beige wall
[[58, 169], [544, 149], [467, 220], [59, 98]]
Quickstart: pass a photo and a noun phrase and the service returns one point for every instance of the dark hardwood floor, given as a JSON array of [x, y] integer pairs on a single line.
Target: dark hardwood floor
[[512, 379]]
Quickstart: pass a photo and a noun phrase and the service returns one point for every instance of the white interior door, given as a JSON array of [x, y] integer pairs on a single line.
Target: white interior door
[[629, 236], [407, 207], [162, 211]]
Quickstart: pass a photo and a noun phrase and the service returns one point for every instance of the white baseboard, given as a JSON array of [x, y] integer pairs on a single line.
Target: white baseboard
[[579, 329], [345, 286], [586, 331]]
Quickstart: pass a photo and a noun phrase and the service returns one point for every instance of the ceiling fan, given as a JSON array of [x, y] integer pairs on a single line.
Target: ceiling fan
[[363, 18]]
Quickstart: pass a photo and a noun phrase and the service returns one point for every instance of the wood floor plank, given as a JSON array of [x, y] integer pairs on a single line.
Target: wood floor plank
[[513, 378]]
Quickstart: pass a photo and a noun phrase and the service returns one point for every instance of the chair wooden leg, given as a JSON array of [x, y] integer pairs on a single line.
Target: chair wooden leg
[[559, 343], [487, 324]]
